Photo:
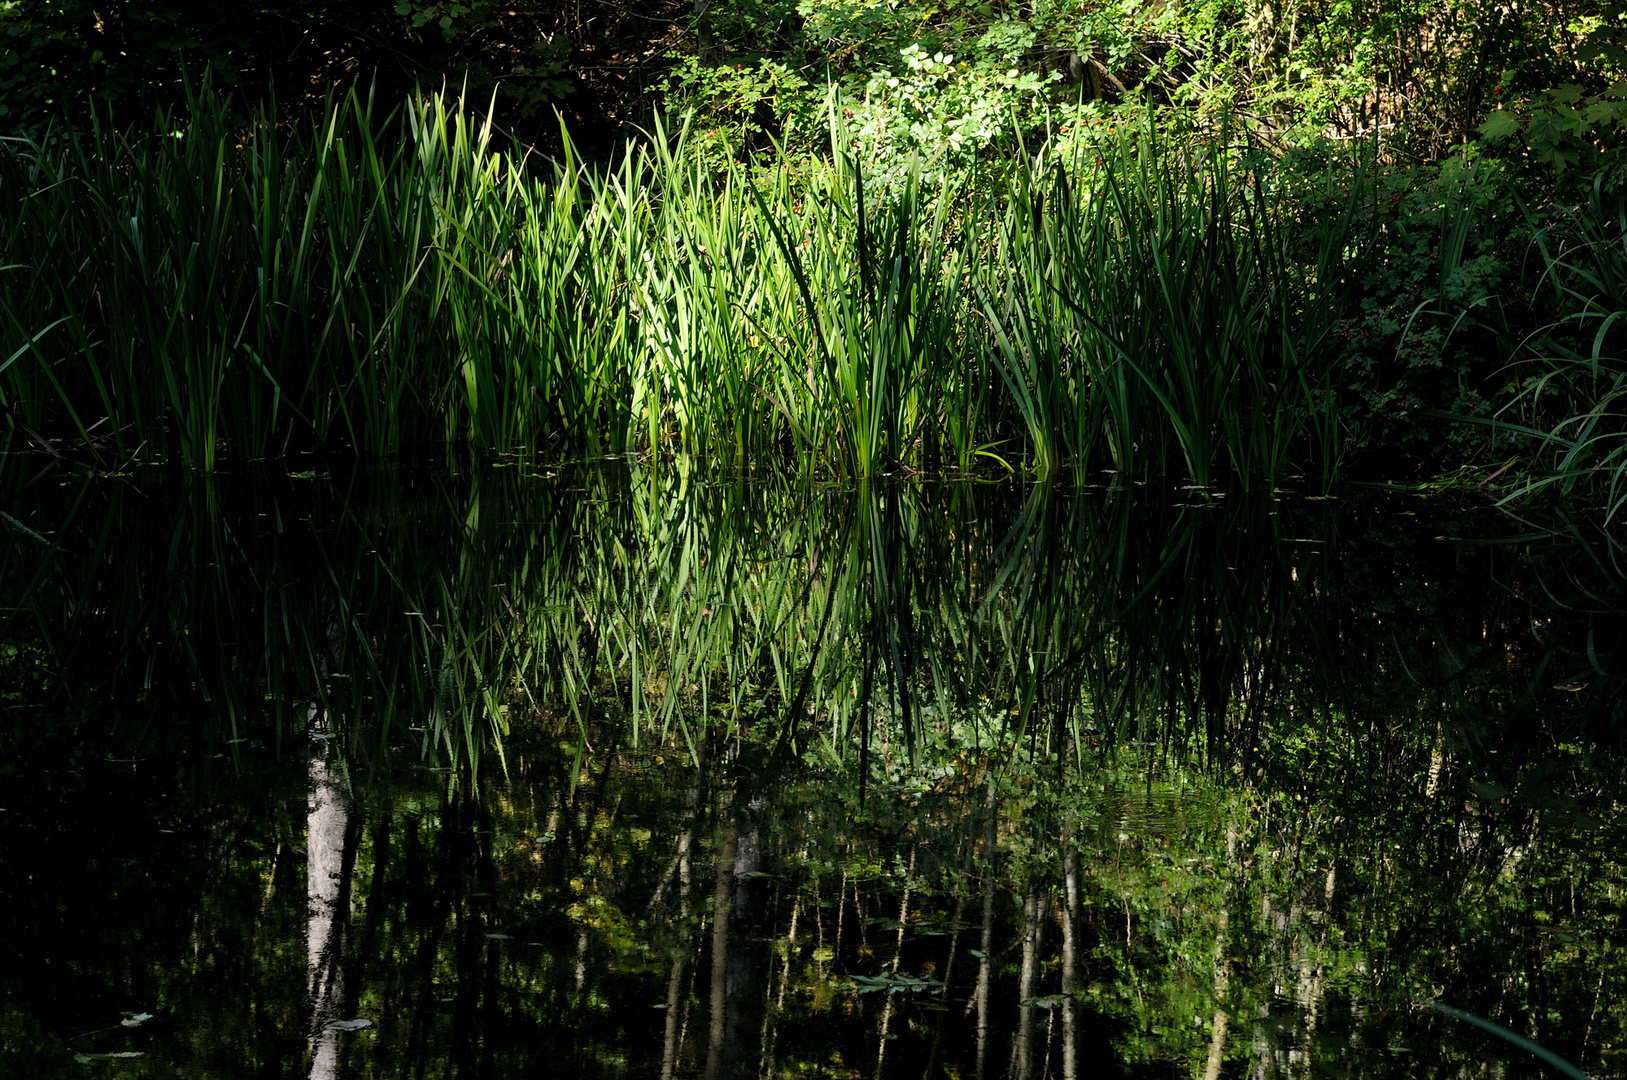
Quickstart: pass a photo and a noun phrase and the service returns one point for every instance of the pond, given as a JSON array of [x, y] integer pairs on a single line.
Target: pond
[[657, 771]]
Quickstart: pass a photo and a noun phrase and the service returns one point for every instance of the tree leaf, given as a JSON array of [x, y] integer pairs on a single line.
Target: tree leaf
[[1604, 112], [1499, 126]]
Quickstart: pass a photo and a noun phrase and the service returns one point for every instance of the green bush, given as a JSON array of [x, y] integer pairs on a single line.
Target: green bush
[[1429, 328]]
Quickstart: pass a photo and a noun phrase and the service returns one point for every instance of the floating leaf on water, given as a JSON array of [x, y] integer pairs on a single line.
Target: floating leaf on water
[[347, 1025], [895, 984], [1050, 1001], [135, 1019]]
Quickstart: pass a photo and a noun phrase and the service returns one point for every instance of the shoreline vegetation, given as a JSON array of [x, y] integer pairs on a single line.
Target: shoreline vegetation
[[1123, 295]]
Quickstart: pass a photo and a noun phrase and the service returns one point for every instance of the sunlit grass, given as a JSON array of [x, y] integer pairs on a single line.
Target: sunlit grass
[[380, 281], [1156, 310]]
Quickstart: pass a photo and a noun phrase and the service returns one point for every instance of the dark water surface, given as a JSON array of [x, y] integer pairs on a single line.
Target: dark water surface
[[619, 771]]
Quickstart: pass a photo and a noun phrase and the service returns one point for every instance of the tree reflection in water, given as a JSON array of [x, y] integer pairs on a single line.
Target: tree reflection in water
[[634, 773], [330, 858]]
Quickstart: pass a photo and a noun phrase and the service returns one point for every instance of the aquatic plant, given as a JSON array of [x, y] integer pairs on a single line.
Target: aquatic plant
[[1155, 305], [380, 281]]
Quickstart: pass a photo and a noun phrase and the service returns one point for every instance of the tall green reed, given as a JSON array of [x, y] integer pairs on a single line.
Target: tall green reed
[[383, 280], [880, 352], [221, 284], [1147, 302]]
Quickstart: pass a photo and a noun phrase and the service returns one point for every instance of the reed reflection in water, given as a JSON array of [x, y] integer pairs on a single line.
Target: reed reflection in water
[[654, 772]]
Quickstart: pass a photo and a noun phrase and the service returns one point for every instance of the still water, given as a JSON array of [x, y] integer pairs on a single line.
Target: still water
[[621, 771]]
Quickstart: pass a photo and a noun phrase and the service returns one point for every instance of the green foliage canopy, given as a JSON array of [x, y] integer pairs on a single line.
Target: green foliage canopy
[[1549, 78]]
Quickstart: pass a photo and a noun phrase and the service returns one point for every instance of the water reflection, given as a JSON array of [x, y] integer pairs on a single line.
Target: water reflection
[[625, 917], [637, 773], [331, 840]]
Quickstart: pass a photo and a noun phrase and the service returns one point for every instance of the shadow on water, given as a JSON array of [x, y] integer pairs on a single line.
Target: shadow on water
[[659, 772]]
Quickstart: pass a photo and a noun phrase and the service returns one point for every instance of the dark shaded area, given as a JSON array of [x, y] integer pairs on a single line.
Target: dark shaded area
[[598, 64]]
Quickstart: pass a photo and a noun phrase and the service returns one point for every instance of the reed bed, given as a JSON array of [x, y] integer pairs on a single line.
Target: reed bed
[[195, 291]]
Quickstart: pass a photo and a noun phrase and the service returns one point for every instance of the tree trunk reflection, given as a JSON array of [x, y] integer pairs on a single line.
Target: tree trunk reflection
[[739, 953], [331, 842]]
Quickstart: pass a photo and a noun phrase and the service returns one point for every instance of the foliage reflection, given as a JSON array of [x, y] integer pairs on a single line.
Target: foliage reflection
[[655, 771]]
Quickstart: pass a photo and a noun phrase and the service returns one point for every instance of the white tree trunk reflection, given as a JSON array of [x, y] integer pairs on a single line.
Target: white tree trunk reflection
[[329, 857]]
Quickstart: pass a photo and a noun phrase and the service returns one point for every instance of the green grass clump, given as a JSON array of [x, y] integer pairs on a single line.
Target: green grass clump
[[377, 282], [1155, 307], [1570, 407]]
